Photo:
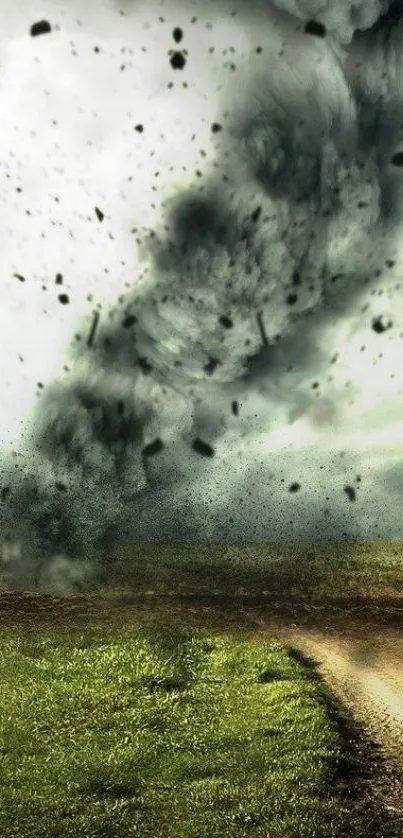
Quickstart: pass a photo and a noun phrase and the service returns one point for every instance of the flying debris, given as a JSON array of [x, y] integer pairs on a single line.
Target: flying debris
[[177, 34], [177, 60], [100, 215], [20, 277], [397, 159], [40, 28], [60, 486], [202, 448], [211, 366], [350, 492], [313, 27], [226, 322], [153, 448], [129, 321], [93, 328], [5, 492], [144, 365], [379, 326], [259, 319], [235, 408], [295, 487]]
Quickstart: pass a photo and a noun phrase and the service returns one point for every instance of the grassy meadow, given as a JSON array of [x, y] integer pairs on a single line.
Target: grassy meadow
[[121, 721], [313, 572]]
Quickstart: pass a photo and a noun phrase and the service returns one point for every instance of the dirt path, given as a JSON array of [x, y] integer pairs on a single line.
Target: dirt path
[[363, 666]]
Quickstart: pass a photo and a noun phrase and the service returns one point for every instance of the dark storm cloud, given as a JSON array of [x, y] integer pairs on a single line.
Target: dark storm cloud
[[239, 285]]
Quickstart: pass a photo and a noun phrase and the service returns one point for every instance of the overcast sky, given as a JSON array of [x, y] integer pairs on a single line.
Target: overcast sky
[[221, 183]]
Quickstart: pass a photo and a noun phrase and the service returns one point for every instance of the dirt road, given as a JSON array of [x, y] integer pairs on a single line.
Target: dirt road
[[363, 665]]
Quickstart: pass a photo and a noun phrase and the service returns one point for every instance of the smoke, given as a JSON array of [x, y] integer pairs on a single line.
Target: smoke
[[224, 394]]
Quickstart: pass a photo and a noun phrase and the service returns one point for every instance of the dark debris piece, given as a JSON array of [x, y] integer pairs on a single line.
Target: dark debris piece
[[211, 366], [5, 492], [177, 34], [379, 326], [226, 321], [313, 27], [145, 365], [60, 486], [177, 61], [397, 159], [94, 325], [129, 321], [20, 277], [292, 299], [235, 408], [202, 447], [64, 299], [263, 335], [42, 27], [350, 492], [59, 279], [295, 487], [153, 448], [256, 214], [139, 128], [100, 214], [216, 127]]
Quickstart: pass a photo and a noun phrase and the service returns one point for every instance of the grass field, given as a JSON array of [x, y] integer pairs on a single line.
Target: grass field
[[322, 571], [119, 722]]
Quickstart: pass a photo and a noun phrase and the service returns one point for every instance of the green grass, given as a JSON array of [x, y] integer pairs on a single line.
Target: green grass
[[140, 723], [313, 571]]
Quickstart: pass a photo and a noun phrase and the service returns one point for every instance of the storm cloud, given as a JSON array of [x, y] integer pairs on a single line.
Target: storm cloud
[[266, 277]]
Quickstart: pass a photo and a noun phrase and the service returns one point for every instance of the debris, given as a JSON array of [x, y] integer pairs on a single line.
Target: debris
[[153, 448], [378, 325], [177, 34], [211, 366], [259, 319], [129, 321], [202, 447], [256, 214], [42, 27], [226, 321], [93, 328], [313, 27], [177, 61], [144, 365]]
